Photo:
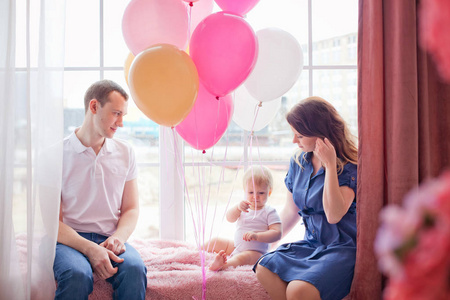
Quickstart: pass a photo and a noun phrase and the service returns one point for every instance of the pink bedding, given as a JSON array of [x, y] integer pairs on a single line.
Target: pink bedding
[[174, 272]]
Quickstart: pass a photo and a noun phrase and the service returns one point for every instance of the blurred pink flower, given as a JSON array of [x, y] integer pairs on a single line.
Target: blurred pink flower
[[435, 32], [413, 243]]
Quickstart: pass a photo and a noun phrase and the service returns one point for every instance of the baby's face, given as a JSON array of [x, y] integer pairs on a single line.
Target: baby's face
[[256, 194]]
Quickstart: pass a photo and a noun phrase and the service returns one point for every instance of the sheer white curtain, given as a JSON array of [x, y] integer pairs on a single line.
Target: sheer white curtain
[[31, 132]]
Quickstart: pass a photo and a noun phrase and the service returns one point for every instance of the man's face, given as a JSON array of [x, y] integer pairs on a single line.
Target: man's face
[[109, 117]]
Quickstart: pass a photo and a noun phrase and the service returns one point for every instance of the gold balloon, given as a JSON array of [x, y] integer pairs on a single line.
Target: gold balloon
[[164, 83], [127, 65]]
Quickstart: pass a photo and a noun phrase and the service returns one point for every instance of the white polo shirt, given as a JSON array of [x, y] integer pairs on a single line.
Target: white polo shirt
[[92, 185]]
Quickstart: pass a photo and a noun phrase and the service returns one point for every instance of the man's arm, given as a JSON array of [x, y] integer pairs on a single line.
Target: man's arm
[[128, 219], [99, 257]]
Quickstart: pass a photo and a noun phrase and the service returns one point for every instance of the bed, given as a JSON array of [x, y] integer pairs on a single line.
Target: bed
[[174, 271]]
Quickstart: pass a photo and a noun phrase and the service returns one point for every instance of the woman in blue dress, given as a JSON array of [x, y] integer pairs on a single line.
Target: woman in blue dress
[[322, 191]]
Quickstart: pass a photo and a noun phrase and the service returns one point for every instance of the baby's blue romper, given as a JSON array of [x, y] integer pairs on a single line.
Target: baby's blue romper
[[326, 256]]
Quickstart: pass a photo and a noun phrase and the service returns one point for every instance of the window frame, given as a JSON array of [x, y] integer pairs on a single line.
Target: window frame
[[171, 193]]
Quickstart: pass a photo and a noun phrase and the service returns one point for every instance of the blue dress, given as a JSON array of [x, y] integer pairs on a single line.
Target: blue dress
[[326, 256]]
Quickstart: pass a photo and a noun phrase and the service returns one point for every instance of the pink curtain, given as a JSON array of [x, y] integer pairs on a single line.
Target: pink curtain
[[403, 119]]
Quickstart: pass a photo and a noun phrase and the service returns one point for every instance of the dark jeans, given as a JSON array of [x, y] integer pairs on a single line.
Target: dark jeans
[[73, 272]]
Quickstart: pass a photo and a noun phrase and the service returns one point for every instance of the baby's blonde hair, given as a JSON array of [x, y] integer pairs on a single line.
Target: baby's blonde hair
[[261, 175]]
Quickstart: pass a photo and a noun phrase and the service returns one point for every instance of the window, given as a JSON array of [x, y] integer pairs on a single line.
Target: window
[[95, 50], [322, 27]]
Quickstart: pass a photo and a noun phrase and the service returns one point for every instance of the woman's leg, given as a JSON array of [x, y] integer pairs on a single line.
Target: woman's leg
[[271, 283], [298, 289]]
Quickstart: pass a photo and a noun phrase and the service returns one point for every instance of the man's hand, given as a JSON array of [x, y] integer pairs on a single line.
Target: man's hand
[[114, 244], [100, 260]]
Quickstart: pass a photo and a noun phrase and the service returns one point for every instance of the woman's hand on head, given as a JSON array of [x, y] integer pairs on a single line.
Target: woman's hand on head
[[325, 152]]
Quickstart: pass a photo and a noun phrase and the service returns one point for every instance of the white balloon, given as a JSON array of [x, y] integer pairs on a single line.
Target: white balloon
[[246, 110], [279, 64]]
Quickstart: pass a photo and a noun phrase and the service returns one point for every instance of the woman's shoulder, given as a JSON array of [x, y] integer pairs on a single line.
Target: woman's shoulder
[[350, 167], [300, 157], [349, 175]]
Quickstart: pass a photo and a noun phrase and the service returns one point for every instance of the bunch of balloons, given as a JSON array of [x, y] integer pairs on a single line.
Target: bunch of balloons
[[186, 62]]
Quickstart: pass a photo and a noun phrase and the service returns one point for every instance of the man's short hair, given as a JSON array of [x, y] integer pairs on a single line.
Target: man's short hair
[[100, 91]]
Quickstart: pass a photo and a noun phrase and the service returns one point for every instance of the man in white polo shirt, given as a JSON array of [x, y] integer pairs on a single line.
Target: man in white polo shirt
[[99, 203]]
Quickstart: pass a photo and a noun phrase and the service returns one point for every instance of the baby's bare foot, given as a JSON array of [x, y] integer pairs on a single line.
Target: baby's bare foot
[[219, 261]]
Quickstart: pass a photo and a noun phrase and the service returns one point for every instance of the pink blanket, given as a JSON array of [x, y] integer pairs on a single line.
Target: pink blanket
[[174, 272]]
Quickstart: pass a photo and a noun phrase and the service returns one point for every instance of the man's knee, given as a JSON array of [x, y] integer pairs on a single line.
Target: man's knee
[[135, 269], [132, 270], [74, 281]]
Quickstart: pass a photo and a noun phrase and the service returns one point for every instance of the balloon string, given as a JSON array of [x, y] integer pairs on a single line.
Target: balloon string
[[199, 208], [259, 155], [221, 178], [197, 233], [256, 111], [204, 214], [251, 166], [210, 169], [181, 175], [223, 166], [226, 145], [222, 175], [217, 118], [199, 225], [251, 151], [189, 19], [228, 202]]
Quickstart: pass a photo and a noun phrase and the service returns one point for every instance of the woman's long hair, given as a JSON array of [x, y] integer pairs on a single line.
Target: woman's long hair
[[315, 117]]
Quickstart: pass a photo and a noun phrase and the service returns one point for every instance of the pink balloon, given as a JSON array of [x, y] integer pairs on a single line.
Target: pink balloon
[[240, 7], [149, 22], [207, 121], [224, 48]]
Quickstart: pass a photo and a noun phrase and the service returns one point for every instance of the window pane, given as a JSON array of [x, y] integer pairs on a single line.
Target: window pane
[[232, 145], [75, 85], [137, 129], [148, 186], [339, 88], [82, 33], [209, 198], [21, 34], [116, 50], [288, 15], [19, 205], [334, 27]]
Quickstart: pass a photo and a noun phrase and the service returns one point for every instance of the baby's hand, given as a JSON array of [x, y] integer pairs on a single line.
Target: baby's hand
[[243, 206], [250, 236]]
